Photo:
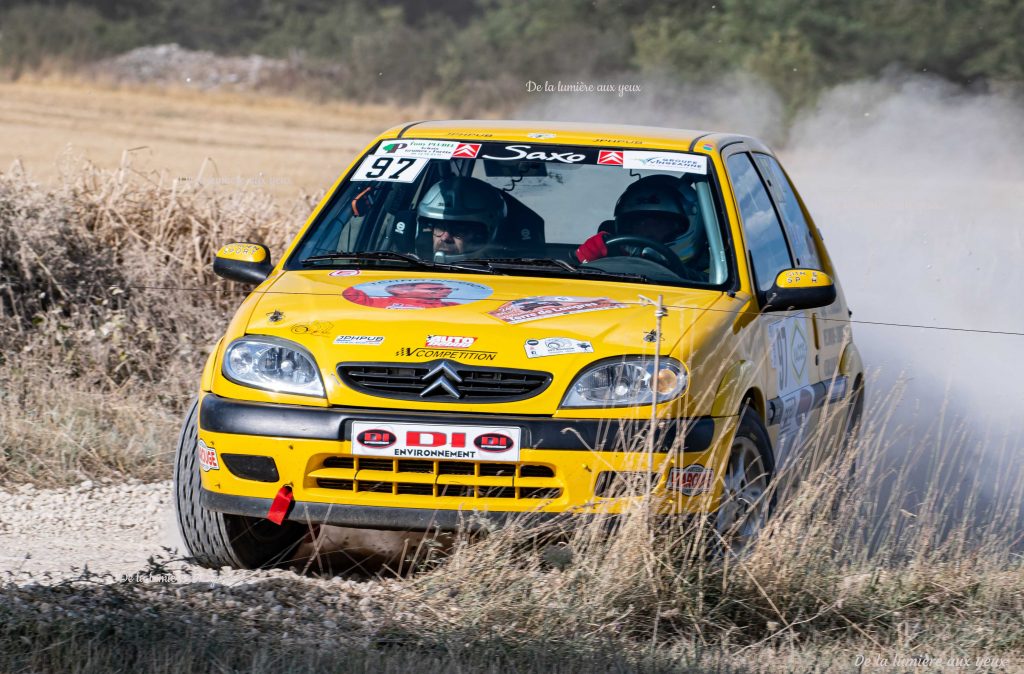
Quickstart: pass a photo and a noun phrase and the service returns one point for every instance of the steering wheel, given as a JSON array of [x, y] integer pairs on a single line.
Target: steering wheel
[[659, 253]]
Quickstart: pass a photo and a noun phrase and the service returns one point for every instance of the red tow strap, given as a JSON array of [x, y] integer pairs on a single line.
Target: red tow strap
[[279, 508]]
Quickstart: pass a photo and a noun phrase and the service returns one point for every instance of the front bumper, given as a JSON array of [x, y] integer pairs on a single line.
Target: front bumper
[[377, 517], [562, 465]]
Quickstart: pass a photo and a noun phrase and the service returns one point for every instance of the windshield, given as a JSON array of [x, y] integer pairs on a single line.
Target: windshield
[[549, 210]]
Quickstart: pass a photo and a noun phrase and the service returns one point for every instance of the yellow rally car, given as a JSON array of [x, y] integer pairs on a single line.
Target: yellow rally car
[[494, 318]]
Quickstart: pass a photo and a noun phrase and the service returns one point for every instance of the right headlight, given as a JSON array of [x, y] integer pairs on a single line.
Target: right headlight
[[272, 364], [626, 382]]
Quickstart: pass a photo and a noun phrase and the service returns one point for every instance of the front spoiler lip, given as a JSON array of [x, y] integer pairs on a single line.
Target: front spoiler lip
[[378, 517], [224, 415]]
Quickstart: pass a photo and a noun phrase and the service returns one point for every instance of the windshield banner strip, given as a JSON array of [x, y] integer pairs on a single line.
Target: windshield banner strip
[[678, 162]]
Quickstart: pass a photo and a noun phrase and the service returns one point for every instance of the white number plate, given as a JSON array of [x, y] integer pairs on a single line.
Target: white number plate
[[389, 169], [433, 441]]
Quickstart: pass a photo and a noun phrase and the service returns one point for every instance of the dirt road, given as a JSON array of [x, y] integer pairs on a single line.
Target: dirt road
[[115, 528], [109, 528]]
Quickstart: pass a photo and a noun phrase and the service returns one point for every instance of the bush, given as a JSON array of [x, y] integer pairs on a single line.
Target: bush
[[110, 308]]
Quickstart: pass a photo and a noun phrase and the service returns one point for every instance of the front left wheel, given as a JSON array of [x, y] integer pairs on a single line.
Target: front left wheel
[[214, 539]]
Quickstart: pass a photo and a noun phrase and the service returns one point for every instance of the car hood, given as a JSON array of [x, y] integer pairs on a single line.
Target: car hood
[[551, 325]]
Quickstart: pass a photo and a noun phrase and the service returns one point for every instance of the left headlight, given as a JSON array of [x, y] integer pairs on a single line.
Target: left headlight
[[272, 364], [628, 381]]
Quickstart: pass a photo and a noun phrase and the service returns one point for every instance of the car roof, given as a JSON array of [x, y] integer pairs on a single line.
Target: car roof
[[572, 133]]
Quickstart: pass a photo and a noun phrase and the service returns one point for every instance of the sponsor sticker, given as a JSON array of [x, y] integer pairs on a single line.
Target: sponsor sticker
[[207, 457], [514, 152], [677, 162], [319, 328], [470, 134], [451, 354], [789, 353], [449, 341], [435, 441], [536, 308], [344, 272], [420, 149], [389, 168], [799, 351], [540, 136], [556, 346], [692, 480], [415, 293], [359, 340], [612, 157]]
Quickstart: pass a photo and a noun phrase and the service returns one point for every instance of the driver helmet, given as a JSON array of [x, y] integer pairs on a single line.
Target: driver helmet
[[470, 204], [668, 197]]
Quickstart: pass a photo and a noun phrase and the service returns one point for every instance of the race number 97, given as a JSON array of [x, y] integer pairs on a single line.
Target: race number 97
[[390, 168]]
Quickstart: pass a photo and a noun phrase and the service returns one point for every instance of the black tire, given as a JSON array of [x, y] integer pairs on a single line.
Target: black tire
[[741, 516], [851, 434], [856, 415], [215, 539]]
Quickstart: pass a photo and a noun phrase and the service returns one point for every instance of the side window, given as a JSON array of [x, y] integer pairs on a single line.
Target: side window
[[765, 239], [800, 238]]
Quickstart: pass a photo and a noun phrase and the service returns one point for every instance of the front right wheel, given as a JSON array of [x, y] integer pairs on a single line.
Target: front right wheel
[[214, 539]]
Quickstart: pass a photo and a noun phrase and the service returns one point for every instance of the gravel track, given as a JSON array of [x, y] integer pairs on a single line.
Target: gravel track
[[115, 528], [111, 528]]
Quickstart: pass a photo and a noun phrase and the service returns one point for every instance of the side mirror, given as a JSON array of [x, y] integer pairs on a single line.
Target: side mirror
[[800, 289], [247, 263]]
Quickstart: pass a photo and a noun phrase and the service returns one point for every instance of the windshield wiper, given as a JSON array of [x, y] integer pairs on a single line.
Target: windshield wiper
[[391, 256], [560, 266], [372, 255]]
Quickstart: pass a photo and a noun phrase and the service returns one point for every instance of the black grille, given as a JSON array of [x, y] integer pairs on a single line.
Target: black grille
[[539, 492], [536, 471], [498, 469], [624, 483], [413, 466], [454, 468], [251, 467], [328, 483], [461, 491], [488, 469], [497, 492], [379, 487], [476, 384], [416, 489], [451, 490], [377, 464], [471, 470]]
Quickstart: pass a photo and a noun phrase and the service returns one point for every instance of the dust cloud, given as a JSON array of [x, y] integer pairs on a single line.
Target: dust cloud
[[918, 189]]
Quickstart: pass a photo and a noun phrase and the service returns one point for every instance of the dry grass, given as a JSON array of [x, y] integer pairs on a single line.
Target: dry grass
[[99, 360], [648, 596], [109, 309], [843, 565]]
